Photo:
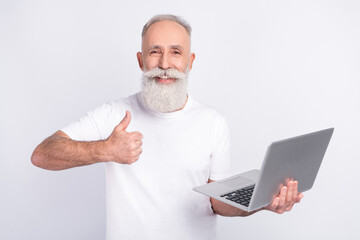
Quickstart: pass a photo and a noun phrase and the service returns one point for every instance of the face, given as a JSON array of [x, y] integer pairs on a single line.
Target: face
[[166, 45]]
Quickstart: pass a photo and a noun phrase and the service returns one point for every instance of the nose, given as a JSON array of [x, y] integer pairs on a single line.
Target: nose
[[164, 62]]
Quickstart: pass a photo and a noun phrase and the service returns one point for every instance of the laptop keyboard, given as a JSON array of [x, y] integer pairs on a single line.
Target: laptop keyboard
[[241, 196]]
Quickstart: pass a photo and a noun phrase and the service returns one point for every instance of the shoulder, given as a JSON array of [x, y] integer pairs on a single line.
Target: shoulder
[[206, 110], [114, 106]]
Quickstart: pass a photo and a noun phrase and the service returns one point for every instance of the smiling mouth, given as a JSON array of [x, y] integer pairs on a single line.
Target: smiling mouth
[[165, 79]]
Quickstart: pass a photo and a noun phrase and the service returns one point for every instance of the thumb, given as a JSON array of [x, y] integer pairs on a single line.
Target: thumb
[[126, 121]]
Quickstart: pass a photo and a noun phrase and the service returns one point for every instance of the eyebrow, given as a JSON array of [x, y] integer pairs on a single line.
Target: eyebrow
[[179, 47], [154, 47]]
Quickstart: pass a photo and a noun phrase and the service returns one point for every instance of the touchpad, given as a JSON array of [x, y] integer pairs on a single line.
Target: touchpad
[[238, 182]]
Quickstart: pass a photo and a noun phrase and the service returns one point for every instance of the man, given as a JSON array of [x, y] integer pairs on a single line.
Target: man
[[166, 144]]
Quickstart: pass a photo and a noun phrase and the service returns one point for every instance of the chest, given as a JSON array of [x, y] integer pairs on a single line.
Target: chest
[[174, 148]]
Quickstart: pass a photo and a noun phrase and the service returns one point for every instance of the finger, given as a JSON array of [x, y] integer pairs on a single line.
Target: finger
[[137, 136], [135, 155], [295, 193], [289, 196], [299, 197], [132, 159], [289, 207], [136, 144], [282, 197], [136, 152], [139, 151], [275, 203], [126, 121]]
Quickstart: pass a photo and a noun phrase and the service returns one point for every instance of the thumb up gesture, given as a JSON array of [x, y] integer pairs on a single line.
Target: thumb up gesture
[[122, 146]]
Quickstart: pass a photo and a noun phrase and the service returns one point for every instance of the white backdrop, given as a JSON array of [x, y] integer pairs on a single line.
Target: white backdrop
[[275, 68]]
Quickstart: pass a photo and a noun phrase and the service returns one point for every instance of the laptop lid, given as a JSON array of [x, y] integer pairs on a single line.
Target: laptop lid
[[296, 158]]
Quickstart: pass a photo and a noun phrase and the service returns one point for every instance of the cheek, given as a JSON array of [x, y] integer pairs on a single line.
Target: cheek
[[181, 65], [150, 63]]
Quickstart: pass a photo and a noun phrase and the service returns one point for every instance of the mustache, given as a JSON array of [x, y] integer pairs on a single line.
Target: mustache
[[170, 73]]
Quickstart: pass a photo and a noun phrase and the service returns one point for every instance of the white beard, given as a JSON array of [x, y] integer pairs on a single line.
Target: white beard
[[164, 97]]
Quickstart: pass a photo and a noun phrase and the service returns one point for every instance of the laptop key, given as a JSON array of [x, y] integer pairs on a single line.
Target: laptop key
[[241, 196]]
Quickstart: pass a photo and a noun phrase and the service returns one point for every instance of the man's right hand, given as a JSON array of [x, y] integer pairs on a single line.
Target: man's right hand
[[124, 147]]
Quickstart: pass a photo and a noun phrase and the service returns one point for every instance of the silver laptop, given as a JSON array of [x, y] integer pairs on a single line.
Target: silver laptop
[[296, 158]]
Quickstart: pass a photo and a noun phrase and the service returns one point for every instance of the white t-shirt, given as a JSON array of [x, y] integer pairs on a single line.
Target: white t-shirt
[[153, 197]]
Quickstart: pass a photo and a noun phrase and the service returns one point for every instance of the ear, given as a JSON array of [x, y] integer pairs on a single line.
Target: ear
[[140, 60], [192, 58]]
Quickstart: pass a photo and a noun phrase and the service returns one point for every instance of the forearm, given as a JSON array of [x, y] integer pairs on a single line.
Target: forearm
[[224, 209], [59, 152]]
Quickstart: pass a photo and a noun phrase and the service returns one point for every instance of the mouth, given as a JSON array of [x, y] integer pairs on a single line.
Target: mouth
[[164, 79]]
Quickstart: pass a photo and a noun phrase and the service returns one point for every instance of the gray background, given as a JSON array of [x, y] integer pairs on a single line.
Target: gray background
[[275, 68]]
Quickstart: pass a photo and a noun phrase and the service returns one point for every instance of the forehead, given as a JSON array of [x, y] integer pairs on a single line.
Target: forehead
[[166, 33]]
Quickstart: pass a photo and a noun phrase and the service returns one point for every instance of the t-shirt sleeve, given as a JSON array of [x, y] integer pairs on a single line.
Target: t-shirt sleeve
[[99, 123], [84, 129], [220, 157]]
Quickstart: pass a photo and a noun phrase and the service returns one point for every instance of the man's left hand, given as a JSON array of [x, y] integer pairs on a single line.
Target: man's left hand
[[288, 196]]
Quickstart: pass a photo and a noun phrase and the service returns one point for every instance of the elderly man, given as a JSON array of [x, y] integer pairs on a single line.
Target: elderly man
[[156, 145]]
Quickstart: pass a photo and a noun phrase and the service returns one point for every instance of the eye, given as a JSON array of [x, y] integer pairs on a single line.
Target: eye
[[176, 52], [154, 52]]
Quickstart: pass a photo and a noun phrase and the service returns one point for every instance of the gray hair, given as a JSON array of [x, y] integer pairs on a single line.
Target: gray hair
[[166, 17]]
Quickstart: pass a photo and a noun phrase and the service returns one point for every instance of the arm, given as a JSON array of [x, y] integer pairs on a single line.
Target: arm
[[288, 196], [59, 152]]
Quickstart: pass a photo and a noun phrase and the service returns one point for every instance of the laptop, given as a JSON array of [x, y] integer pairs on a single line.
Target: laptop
[[297, 158]]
